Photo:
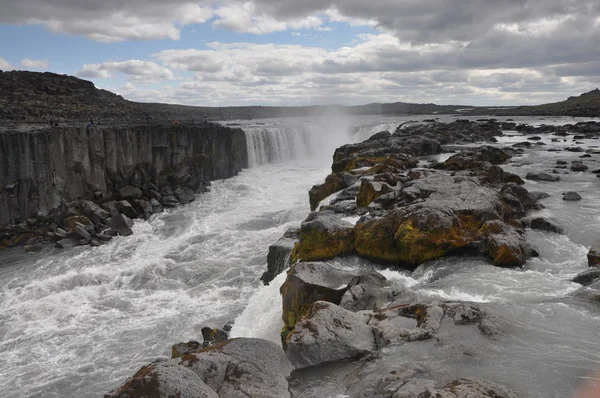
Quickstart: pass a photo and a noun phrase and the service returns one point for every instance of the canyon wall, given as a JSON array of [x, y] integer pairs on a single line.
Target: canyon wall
[[43, 169]]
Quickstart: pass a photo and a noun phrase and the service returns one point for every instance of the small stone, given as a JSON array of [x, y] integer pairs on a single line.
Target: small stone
[[571, 196]]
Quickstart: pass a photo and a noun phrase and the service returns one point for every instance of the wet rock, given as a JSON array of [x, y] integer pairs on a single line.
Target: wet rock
[[506, 245], [279, 255], [122, 224], [308, 283], [181, 349], [242, 368], [518, 199], [593, 255], [542, 177], [539, 195], [213, 336], [578, 167], [72, 222], [82, 234], [365, 292], [156, 206], [406, 322], [370, 191], [129, 192], [464, 314], [469, 388], [587, 277], [333, 183], [169, 201], [329, 333], [167, 379], [67, 243], [184, 195], [126, 208], [323, 236], [561, 162], [571, 196], [542, 224]]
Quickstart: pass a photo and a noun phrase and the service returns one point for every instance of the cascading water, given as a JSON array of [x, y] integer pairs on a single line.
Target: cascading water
[[77, 323]]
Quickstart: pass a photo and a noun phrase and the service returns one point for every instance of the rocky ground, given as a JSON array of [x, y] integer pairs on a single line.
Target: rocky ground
[[348, 331]]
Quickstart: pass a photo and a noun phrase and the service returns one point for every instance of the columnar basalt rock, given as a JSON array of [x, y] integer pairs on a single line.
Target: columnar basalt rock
[[49, 174]]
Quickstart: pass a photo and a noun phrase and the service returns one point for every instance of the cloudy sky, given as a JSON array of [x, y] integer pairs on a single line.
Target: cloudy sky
[[299, 52]]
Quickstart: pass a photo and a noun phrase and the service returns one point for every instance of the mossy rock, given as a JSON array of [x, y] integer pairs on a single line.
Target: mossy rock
[[323, 236], [333, 183], [371, 190], [424, 235]]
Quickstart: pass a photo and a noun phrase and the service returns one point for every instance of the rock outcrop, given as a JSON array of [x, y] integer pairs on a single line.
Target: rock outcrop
[[132, 171]]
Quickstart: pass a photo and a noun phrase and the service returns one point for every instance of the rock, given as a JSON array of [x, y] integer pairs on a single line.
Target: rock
[[518, 199], [333, 183], [167, 379], [169, 201], [126, 208], [213, 336], [181, 349], [446, 216], [464, 314], [364, 292], [146, 208], [308, 283], [71, 223], [543, 224], [593, 255], [506, 245], [33, 247], [406, 323], [110, 207], [323, 236], [279, 255], [587, 277], [469, 388], [542, 177], [82, 233], [578, 167], [156, 206], [122, 224], [184, 195], [242, 368], [328, 333], [534, 138], [129, 193], [67, 243], [562, 162], [536, 195], [571, 196], [371, 190]]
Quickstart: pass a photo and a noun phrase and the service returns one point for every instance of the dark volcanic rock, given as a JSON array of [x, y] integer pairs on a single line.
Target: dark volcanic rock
[[279, 255], [579, 167], [542, 177], [587, 277], [323, 236], [329, 333], [593, 255], [571, 196]]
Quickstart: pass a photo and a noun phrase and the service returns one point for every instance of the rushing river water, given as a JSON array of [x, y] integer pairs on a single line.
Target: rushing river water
[[77, 323]]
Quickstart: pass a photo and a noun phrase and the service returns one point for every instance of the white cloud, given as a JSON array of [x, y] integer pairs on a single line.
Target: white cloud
[[34, 63], [137, 71], [5, 65]]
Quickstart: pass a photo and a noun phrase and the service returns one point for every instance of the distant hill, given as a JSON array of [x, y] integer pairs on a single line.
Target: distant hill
[[36, 97]]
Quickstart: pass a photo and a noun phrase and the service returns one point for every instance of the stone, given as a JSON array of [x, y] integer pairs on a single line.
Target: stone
[[543, 224], [587, 277], [184, 195], [213, 336], [129, 192], [308, 283], [404, 323], [323, 235], [166, 379], [122, 224], [126, 208], [333, 183], [181, 349], [593, 255], [278, 257], [469, 388], [578, 167], [67, 243], [506, 245], [571, 196], [371, 190], [329, 333], [542, 177]]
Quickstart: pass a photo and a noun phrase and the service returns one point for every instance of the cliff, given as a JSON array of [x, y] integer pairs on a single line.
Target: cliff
[[43, 171]]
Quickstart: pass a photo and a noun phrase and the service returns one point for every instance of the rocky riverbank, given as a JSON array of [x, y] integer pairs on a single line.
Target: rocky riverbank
[[76, 185]]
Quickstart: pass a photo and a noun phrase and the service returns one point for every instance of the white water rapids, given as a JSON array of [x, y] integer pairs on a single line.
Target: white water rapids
[[77, 323]]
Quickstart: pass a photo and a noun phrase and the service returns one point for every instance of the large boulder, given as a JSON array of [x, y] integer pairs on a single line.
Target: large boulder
[[308, 283], [329, 333], [542, 177], [506, 245], [237, 368], [243, 368], [333, 183], [323, 235], [166, 379], [447, 216]]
